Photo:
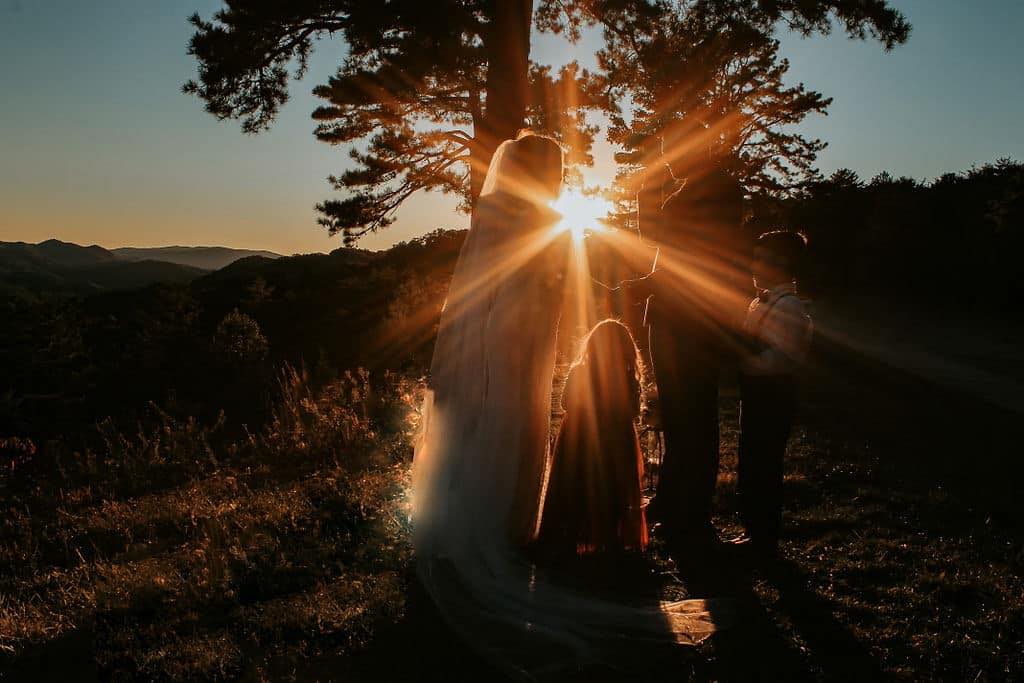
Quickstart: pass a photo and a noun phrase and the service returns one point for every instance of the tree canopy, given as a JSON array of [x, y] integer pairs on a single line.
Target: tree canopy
[[707, 82], [427, 90]]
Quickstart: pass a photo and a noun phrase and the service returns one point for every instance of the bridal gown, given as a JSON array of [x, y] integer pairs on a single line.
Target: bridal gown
[[479, 469]]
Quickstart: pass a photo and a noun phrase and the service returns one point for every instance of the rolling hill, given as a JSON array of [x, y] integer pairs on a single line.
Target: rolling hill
[[207, 258], [60, 267], [50, 255]]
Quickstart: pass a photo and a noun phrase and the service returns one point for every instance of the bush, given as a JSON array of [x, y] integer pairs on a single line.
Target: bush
[[238, 341]]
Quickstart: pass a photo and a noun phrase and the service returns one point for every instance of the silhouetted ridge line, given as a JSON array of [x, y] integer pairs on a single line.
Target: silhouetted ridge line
[[207, 258]]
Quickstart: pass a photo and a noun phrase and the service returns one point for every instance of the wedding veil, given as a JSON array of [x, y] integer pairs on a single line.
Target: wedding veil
[[498, 174]]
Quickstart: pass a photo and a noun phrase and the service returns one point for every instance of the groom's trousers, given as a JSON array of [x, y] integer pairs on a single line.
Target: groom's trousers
[[686, 368]]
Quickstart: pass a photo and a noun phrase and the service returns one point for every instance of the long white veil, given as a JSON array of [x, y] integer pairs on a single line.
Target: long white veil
[[452, 412], [498, 176], [467, 458]]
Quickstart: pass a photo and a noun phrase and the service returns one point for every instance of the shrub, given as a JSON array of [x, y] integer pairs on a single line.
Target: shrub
[[238, 341]]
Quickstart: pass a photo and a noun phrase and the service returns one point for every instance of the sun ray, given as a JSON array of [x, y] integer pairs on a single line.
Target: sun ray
[[581, 213]]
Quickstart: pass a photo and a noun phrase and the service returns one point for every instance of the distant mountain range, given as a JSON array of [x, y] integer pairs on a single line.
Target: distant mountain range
[[207, 258], [67, 268]]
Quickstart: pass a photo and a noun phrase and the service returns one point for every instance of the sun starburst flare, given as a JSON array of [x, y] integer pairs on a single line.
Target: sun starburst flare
[[581, 214]]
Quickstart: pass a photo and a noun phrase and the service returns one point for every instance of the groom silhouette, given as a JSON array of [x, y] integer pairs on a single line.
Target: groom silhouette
[[697, 296]]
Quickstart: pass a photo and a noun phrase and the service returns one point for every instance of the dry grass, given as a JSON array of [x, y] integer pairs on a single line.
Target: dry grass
[[264, 551], [884, 573], [284, 557]]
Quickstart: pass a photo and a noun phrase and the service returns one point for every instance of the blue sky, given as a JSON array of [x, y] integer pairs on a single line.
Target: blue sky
[[98, 145]]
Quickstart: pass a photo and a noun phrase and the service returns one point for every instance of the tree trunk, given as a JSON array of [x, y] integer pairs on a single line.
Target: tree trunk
[[507, 88]]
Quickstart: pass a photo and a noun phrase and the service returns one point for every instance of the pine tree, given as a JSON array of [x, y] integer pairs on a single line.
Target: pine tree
[[426, 93], [706, 81], [427, 90]]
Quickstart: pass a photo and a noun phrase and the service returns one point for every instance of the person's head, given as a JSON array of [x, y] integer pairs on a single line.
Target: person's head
[[529, 166], [610, 358], [709, 206], [713, 190], [777, 258]]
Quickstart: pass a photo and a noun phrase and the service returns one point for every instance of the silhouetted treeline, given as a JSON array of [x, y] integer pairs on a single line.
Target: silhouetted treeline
[[952, 244], [217, 343]]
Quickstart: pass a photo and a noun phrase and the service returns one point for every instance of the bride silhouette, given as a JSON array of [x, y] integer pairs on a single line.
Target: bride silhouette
[[478, 474], [481, 458]]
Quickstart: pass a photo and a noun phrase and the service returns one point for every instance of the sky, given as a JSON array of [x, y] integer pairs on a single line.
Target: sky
[[99, 146]]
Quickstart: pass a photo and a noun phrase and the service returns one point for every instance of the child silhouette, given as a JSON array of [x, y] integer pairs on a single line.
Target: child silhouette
[[593, 502]]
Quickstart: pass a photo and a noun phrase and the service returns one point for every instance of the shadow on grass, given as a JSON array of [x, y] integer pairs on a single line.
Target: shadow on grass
[[418, 647], [68, 657], [795, 638]]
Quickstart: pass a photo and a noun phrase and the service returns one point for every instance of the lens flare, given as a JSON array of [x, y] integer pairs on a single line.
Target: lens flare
[[581, 214]]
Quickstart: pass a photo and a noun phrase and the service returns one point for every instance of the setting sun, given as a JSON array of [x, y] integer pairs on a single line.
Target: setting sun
[[581, 213]]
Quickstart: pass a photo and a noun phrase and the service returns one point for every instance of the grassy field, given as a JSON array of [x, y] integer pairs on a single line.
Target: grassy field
[[284, 556], [173, 556], [884, 574]]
